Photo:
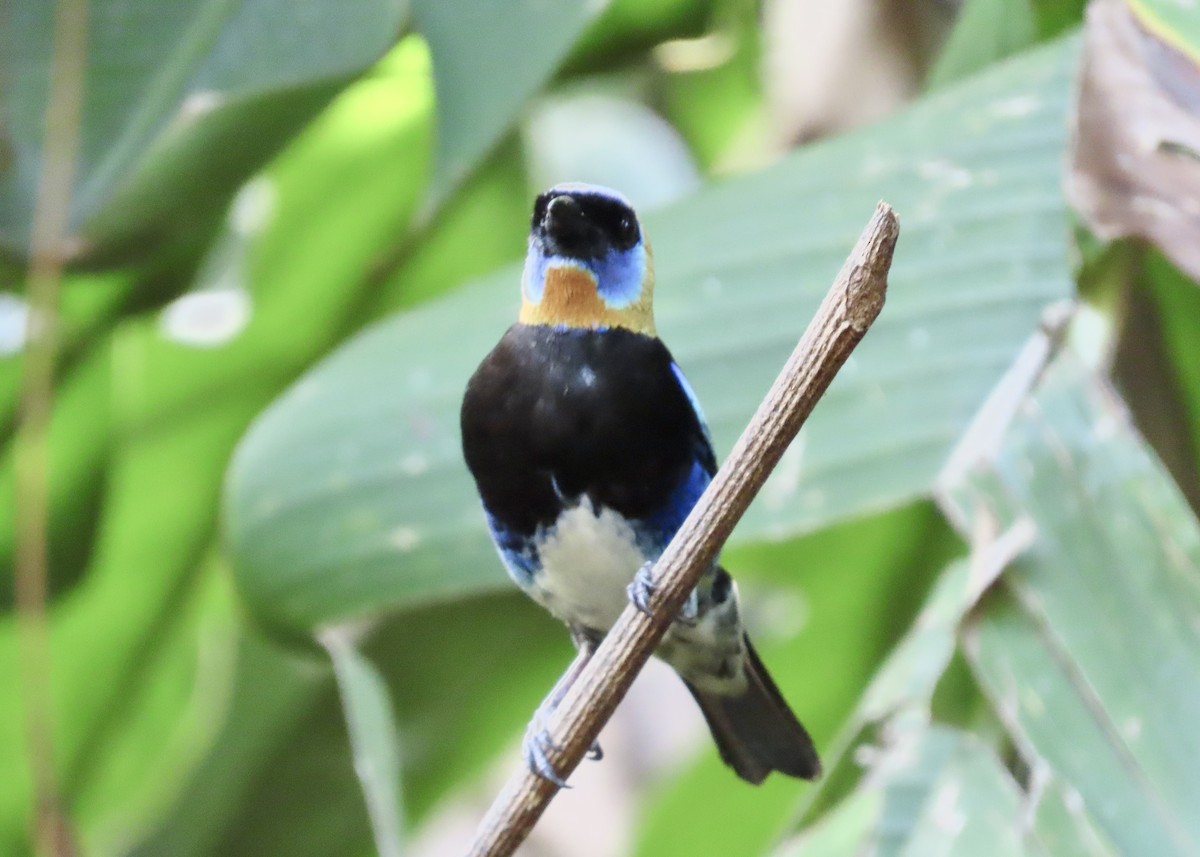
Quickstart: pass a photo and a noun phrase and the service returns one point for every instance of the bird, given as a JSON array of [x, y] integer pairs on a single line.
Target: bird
[[589, 448]]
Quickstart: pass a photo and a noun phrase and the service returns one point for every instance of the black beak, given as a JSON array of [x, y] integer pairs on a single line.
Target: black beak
[[568, 230]]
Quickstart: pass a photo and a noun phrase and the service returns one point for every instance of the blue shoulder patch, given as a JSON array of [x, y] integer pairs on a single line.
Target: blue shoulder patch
[[656, 531], [691, 397], [703, 448], [518, 553]]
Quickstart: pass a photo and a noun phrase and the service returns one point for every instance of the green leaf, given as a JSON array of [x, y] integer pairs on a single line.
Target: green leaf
[[1170, 21], [1150, 363], [986, 31], [488, 60], [138, 597], [487, 215], [373, 739], [1055, 17], [713, 92], [591, 136], [626, 29], [1177, 301], [1091, 650], [349, 495], [462, 679], [80, 443], [183, 101], [935, 791], [902, 691], [1063, 826], [279, 777]]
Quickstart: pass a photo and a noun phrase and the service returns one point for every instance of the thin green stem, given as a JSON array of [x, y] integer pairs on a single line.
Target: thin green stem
[[48, 247]]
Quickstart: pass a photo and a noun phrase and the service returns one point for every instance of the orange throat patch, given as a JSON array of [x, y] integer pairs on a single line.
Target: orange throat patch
[[570, 298]]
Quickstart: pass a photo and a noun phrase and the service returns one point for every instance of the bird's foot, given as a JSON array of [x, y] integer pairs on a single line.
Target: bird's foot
[[537, 746], [535, 750], [642, 589]]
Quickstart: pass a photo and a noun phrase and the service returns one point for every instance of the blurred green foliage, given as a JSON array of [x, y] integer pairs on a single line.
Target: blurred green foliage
[[280, 211]]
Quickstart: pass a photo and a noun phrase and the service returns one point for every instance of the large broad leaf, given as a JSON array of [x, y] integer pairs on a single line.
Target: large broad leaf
[[279, 778], [1086, 649], [986, 30], [489, 58], [349, 495], [940, 792], [182, 102], [1091, 651], [372, 730]]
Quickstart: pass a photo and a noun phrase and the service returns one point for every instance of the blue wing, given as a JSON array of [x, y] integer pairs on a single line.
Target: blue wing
[[702, 443], [658, 530]]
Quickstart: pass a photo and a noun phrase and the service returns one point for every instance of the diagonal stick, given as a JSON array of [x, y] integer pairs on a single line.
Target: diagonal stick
[[849, 308]]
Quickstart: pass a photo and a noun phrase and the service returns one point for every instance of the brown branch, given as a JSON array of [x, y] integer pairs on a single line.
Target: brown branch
[[47, 249], [849, 308]]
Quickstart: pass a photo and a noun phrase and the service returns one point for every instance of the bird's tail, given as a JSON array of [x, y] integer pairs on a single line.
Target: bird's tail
[[756, 732]]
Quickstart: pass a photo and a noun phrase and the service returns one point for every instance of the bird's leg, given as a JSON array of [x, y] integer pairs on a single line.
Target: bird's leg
[[537, 744], [643, 587]]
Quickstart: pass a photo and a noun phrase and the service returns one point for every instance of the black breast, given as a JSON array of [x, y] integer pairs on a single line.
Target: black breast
[[559, 413]]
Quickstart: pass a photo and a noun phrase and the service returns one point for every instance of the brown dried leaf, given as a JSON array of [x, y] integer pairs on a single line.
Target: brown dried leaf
[[1135, 153]]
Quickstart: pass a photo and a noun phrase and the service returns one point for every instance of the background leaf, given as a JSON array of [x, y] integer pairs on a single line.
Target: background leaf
[[985, 31], [1136, 146], [373, 740], [193, 99], [1086, 662], [937, 793], [513, 46]]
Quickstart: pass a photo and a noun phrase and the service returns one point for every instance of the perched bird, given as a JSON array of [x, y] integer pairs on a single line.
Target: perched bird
[[589, 449]]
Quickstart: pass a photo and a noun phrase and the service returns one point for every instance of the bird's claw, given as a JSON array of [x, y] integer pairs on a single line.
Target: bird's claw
[[538, 744], [535, 750], [642, 589]]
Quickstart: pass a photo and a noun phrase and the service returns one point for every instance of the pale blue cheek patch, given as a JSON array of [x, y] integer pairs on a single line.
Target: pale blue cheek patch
[[533, 278], [620, 276]]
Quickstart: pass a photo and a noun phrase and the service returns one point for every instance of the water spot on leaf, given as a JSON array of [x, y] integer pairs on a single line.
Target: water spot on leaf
[[14, 322], [404, 539], [414, 464], [252, 207], [206, 318], [1016, 107]]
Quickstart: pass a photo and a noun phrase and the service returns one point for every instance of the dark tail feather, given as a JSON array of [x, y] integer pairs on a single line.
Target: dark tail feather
[[757, 733]]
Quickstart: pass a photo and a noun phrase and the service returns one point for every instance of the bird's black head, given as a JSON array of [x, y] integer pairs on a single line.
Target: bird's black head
[[588, 264], [586, 222]]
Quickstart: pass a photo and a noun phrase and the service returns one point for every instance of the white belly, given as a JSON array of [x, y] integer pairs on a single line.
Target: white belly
[[588, 560]]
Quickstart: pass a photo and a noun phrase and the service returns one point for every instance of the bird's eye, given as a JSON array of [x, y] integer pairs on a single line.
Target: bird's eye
[[627, 230]]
